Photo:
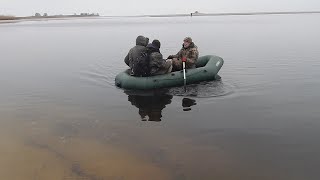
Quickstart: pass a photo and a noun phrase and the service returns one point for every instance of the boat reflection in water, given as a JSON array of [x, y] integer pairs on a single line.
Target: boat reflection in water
[[151, 103]]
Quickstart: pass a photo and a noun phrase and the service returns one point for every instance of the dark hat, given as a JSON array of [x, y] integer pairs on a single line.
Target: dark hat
[[156, 43]]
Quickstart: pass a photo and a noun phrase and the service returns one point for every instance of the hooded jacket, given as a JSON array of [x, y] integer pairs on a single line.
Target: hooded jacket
[[135, 52]]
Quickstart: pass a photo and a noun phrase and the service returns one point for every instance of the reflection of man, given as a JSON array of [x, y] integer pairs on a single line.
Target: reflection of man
[[150, 106]]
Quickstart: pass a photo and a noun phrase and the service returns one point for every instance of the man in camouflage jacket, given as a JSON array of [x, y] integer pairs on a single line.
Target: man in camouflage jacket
[[190, 51], [135, 52], [157, 64]]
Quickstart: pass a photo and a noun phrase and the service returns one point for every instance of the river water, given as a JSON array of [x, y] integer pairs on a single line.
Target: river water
[[63, 118]]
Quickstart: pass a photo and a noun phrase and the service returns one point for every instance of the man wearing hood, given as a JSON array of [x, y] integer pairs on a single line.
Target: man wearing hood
[[157, 64], [136, 51], [189, 51]]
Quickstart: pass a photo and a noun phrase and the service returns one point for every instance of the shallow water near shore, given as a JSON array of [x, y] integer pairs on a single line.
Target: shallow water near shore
[[63, 118]]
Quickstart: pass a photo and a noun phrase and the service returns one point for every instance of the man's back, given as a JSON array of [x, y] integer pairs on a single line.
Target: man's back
[[135, 52]]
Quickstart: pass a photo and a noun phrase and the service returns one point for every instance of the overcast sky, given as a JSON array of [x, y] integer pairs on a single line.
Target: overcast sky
[[142, 7]]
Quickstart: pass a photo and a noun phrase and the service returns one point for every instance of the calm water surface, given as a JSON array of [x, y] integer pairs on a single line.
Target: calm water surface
[[63, 118]]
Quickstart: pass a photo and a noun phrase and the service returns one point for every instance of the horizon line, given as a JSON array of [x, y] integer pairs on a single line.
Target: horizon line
[[194, 13]]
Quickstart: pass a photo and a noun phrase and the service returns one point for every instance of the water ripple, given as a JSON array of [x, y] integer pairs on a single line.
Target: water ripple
[[100, 74], [204, 89]]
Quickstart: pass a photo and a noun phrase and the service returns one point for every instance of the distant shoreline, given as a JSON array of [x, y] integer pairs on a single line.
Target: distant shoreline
[[14, 18], [236, 14], [8, 19]]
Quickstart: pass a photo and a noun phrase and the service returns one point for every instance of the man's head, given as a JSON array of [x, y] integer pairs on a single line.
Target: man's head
[[142, 41], [156, 43], [186, 42]]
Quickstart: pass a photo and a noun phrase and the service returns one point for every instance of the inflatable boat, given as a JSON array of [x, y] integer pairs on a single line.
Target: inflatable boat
[[207, 68]]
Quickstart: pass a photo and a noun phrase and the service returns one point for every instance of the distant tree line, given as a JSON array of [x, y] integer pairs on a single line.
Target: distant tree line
[[81, 14], [3, 17], [88, 14]]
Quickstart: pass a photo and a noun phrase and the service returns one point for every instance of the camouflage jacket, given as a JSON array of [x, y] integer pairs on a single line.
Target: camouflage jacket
[[191, 53], [156, 61]]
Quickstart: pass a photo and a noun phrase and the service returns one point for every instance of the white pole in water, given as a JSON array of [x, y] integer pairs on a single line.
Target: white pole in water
[[184, 73]]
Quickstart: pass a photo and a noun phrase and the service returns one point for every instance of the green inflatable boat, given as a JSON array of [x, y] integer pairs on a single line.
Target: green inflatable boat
[[207, 69]]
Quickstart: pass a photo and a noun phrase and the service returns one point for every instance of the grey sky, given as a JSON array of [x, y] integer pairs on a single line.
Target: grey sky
[[139, 7]]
